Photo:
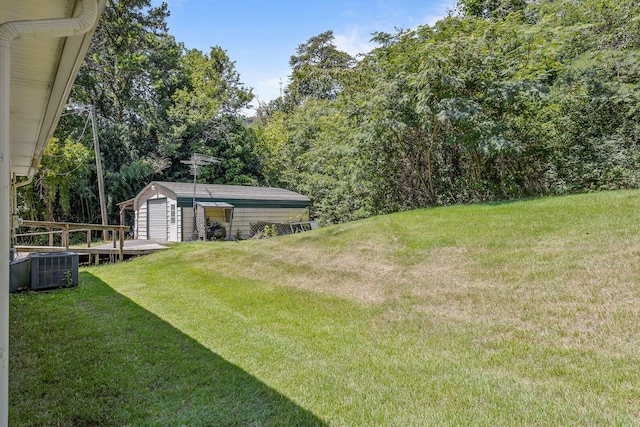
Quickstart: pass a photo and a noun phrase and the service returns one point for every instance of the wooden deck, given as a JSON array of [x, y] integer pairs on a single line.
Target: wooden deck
[[107, 251], [117, 249]]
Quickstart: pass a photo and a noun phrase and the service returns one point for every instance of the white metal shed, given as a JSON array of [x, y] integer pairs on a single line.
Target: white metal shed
[[164, 211]]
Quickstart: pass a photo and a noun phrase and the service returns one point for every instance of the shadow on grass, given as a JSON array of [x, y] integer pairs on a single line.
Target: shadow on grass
[[90, 356]]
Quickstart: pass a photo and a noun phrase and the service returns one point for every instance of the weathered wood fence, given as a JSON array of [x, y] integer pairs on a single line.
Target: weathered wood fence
[[65, 228]]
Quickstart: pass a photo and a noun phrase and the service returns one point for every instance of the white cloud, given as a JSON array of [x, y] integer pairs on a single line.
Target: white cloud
[[411, 17], [268, 89], [432, 19], [354, 42], [265, 89], [438, 12], [356, 39]]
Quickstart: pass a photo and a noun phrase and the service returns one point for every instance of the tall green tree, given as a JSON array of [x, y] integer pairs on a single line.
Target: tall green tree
[[306, 144], [311, 150], [316, 70], [206, 117]]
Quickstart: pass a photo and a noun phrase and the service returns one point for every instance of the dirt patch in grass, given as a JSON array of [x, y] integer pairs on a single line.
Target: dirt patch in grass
[[370, 273], [553, 295]]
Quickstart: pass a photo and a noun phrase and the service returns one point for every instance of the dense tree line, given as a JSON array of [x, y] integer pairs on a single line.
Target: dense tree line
[[501, 99]]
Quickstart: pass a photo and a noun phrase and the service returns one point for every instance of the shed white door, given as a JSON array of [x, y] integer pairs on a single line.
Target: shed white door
[[157, 212]]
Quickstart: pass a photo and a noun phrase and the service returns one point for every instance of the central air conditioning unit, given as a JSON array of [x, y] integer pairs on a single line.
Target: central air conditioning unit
[[53, 270]]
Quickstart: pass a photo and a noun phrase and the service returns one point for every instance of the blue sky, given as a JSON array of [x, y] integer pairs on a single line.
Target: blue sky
[[260, 36]]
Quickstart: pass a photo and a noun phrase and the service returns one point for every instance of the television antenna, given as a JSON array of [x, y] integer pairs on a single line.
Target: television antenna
[[195, 162]]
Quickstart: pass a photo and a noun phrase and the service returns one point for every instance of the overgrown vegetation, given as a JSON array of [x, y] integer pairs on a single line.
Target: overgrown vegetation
[[502, 99], [496, 314]]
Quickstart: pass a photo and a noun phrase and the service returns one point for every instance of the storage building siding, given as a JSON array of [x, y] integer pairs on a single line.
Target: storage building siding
[[247, 211], [141, 222], [186, 224], [178, 225]]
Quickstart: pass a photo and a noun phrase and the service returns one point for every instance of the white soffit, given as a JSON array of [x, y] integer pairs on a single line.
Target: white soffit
[[42, 73]]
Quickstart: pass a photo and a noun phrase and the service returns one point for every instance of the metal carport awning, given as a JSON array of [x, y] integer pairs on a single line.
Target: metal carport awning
[[215, 205], [200, 218]]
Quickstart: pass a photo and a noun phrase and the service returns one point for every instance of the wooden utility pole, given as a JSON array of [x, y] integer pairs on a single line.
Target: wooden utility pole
[[96, 147]]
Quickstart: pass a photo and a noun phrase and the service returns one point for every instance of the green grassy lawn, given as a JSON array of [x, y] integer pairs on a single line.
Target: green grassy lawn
[[523, 313]]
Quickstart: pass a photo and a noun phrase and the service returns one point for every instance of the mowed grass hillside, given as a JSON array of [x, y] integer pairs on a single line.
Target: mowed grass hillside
[[523, 313]]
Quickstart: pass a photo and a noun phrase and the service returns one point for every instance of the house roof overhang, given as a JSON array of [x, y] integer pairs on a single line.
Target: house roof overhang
[[42, 72]]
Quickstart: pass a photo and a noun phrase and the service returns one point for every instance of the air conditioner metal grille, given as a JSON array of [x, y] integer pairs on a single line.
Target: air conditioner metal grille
[[54, 270]]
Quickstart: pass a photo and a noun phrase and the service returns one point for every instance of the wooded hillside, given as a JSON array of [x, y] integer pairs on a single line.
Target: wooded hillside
[[502, 99]]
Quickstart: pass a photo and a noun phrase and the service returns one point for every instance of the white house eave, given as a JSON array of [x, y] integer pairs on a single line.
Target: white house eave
[[42, 72]]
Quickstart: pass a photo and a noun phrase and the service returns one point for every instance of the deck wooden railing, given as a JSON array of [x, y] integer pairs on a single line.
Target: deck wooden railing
[[65, 228]]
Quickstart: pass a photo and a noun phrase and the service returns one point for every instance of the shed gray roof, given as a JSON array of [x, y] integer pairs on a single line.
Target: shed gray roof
[[231, 192]]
